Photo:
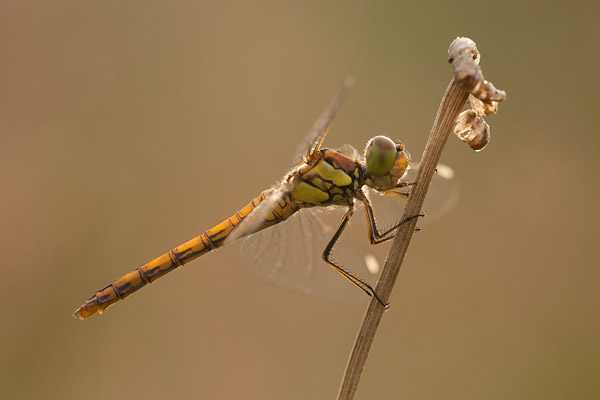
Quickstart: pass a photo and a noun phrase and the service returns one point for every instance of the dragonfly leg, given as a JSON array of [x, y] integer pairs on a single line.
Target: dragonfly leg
[[404, 184], [374, 236], [358, 282], [390, 191]]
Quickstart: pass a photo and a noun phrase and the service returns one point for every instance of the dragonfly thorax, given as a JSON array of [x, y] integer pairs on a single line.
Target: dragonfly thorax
[[328, 178]]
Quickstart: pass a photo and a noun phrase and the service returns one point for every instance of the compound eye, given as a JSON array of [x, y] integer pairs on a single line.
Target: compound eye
[[380, 155]]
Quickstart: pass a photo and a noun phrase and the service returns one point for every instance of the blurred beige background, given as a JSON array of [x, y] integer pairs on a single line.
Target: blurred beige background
[[128, 127]]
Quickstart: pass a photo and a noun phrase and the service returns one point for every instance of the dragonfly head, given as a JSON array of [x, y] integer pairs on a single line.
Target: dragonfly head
[[386, 162]]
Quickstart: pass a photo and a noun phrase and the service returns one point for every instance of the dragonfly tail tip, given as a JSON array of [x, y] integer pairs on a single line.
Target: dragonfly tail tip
[[81, 313], [76, 315]]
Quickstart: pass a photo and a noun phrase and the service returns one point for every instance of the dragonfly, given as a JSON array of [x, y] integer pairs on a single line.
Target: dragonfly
[[320, 178]]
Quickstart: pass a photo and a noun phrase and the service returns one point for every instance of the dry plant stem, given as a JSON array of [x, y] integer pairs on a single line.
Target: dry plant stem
[[464, 57], [452, 103]]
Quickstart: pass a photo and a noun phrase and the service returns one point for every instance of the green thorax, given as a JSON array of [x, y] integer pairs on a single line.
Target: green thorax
[[328, 178]]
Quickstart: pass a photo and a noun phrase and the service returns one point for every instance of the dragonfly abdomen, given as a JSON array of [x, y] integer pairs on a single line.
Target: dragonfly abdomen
[[208, 240]]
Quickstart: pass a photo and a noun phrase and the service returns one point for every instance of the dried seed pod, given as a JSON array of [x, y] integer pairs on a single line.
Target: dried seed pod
[[472, 129], [464, 57], [482, 108]]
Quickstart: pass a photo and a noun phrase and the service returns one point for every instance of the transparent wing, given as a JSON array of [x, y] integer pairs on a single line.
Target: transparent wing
[[314, 139], [255, 220], [442, 196], [288, 255], [443, 193], [311, 143]]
